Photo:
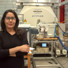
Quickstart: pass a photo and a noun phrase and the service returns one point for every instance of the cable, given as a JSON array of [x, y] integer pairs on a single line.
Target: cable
[[61, 43], [59, 37]]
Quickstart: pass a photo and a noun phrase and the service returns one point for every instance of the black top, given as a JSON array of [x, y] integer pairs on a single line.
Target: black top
[[8, 41]]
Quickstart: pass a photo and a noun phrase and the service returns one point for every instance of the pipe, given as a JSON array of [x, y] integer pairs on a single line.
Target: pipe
[[62, 11]]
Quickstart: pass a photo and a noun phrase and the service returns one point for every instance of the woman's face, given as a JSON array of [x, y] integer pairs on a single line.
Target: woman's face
[[10, 20]]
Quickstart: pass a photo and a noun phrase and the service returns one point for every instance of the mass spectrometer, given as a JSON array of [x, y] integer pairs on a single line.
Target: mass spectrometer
[[33, 10], [33, 13]]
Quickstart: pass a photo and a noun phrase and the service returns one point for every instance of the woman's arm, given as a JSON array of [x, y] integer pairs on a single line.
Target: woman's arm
[[12, 51], [24, 42], [22, 48]]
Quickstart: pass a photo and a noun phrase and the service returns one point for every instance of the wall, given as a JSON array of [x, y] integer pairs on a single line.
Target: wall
[[66, 17], [10, 4], [6, 4], [66, 11]]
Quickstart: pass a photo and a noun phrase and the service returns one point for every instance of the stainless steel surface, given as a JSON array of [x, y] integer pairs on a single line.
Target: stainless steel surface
[[66, 27], [54, 1], [45, 30], [62, 60], [26, 0], [50, 62], [52, 42], [63, 3], [55, 63]]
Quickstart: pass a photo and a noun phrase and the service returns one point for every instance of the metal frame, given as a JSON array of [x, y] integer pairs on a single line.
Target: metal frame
[[57, 64], [51, 58], [54, 1]]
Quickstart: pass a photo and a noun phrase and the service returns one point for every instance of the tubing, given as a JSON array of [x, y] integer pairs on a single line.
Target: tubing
[[59, 37], [62, 43]]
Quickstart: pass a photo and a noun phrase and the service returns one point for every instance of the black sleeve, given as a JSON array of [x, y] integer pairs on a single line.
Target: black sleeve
[[24, 41], [4, 53]]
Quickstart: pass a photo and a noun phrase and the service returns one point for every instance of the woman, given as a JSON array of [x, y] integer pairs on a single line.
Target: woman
[[13, 42]]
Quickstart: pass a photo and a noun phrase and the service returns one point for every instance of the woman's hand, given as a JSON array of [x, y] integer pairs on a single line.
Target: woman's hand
[[24, 48]]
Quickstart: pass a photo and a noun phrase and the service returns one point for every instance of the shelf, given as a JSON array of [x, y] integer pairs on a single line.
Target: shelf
[[41, 53], [46, 39]]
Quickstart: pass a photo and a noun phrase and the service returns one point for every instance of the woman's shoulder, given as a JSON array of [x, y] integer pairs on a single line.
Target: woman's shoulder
[[21, 31]]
